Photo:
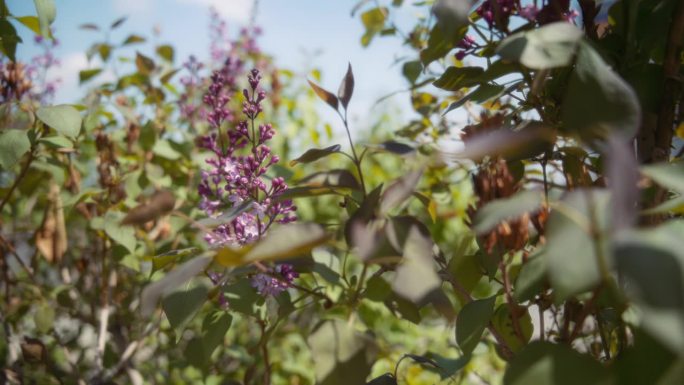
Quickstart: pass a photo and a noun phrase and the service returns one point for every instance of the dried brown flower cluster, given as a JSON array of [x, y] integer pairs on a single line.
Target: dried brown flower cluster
[[14, 82], [494, 180]]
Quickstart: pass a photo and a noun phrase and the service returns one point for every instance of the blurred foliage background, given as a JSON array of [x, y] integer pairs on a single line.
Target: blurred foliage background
[[538, 243]]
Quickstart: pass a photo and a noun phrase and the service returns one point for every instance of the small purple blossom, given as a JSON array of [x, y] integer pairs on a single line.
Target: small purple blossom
[[570, 16], [467, 45], [275, 281], [497, 11], [529, 12]]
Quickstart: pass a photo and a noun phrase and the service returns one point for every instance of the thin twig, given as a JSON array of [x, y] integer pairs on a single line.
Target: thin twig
[[21, 176]]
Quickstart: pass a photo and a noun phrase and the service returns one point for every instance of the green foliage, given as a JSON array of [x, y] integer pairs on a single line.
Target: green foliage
[[543, 249]]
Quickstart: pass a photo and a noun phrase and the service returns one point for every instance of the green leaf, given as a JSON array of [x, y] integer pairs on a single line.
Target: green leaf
[[117, 23], [439, 44], [123, 235], [315, 154], [674, 205], [164, 149], [394, 147], [552, 45], [165, 78], [472, 321], [243, 297], [447, 367], [325, 95], [598, 101], [181, 306], [343, 355], [374, 22], [346, 89], [227, 216], [455, 78], [652, 261], [572, 254], [8, 39], [531, 278], [133, 39], [214, 328], [385, 379], [412, 70], [670, 175], [57, 141], [544, 363], [416, 279], [30, 22], [497, 211], [165, 52], [644, 362], [46, 15], [515, 338], [89, 27], [144, 64], [13, 145], [451, 15], [151, 294], [482, 94], [65, 119], [466, 270], [44, 318], [377, 289], [400, 191], [337, 178], [162, 260], [286, 241], [85, 75], [105, 50]]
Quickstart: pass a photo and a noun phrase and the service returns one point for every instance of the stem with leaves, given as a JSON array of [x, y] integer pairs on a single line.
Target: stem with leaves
[[343, 97]]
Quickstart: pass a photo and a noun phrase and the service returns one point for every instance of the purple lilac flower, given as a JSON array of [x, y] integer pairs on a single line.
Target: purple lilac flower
[[38, 70], [495, 11], [570, 16], [220, 44], [275, 281], [467, 45], [529, 12], [237, 171]]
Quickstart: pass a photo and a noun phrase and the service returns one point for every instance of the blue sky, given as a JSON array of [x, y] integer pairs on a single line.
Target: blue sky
[[299, 33]]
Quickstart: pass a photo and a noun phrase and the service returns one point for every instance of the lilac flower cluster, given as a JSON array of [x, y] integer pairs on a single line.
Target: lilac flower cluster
[[234, 178], [237, 175], [38, 71], [275, 281], [467, 46], [191, 82], [496, 11]]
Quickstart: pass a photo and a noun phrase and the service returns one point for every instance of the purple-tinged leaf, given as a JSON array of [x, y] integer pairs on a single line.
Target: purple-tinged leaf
[[400, 191], [315, 154], [89, 26], [325, 95], [161, 203], [521, 144], [117, 23], [346, 88], [153, 292]]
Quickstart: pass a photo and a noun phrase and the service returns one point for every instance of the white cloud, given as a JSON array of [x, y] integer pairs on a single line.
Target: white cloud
[[236, 10], [129, 7], [67, 72], [69, 89]]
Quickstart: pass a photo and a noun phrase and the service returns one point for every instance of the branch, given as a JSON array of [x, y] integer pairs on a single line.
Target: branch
[[671, 87]]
